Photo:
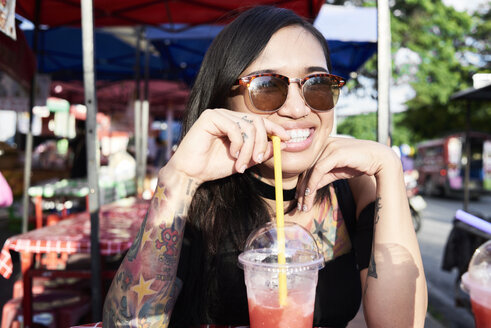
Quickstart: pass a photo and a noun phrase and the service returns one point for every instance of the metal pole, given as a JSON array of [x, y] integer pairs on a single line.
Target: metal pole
[[467, 171], [28, 145], [92, 157], [384, 71], [170, 124], [145, 114], [138, 110]]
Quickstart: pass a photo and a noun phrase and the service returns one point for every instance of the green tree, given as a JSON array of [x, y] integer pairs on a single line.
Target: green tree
[[364, 126], [447, 43]]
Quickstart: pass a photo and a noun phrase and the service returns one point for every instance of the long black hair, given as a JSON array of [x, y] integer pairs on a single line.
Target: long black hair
[[233, 199], [233, 50], [223, 212]]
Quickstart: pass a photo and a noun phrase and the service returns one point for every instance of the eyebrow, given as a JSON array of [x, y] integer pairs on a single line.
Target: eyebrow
[[310, 69], [317, 69]]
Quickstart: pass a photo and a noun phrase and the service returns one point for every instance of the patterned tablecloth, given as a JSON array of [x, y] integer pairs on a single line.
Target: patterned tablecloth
[[119, 224], [109, 190], [90, 325]]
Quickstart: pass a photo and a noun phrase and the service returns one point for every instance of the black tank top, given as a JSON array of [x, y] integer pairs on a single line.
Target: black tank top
[[338, 294]]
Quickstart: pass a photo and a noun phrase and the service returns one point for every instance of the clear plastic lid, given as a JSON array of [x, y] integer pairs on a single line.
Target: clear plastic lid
[[261, 249], [480, 265]]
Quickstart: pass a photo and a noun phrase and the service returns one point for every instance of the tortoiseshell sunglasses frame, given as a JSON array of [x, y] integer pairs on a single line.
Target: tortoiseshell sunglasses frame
[[246, 80]]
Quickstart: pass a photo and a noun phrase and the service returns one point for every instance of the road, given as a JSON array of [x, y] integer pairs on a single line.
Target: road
[[437, 223]]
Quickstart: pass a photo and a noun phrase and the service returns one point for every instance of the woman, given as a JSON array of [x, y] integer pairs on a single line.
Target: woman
[[267, 73]]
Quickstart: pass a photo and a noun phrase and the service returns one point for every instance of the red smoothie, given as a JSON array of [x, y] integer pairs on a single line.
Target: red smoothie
[[482, 315], [268, 314]]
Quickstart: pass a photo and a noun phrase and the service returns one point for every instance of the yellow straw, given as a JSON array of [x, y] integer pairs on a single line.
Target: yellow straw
[[278, 181]]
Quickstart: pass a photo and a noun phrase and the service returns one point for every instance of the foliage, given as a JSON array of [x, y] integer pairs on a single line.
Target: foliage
[[364, 126], [447, 43], [481, 36]]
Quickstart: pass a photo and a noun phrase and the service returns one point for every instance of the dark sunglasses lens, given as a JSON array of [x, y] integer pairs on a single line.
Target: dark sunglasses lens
[[321, 92], [268, 93]]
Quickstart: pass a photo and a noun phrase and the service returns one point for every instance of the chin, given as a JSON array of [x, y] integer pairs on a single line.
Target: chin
[[292, 165]]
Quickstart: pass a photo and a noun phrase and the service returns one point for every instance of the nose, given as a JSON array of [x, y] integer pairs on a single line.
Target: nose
[[294, 106]]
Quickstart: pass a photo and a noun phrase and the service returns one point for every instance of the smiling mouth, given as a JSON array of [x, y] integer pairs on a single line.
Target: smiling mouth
[[298, 135]]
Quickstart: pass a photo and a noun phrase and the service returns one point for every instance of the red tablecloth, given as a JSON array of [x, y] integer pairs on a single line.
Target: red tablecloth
[[90, 325], [119, 224]]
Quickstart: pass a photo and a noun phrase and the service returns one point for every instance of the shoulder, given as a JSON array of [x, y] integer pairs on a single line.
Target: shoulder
[[364, 190]]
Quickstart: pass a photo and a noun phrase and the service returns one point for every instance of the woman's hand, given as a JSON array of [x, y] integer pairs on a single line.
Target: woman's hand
[[343, 158], [223, 142]]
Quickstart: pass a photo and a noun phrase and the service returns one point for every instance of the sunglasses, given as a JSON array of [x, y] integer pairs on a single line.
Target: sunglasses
[[268, 91]]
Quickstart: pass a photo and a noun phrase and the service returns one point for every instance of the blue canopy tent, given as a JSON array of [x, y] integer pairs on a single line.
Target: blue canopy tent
[[60, 55], [349, 56], [351, 33], [182, 48], [107, 13]]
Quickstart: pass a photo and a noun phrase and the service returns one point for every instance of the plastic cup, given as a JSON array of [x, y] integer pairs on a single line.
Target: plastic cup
[[477, 282], [261, 272]]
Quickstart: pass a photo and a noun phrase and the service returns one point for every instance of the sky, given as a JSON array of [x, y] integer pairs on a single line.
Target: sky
[[357, 104], [462, 5]]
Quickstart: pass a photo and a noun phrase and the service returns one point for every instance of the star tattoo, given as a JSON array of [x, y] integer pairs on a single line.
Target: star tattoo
[[320, 231], [160, 194], [145, 237], [143, 288]]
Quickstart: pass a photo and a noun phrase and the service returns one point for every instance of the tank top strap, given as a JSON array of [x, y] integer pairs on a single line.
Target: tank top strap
[[342, 200]]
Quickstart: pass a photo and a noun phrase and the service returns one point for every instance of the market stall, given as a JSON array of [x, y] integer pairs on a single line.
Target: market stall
[[121, 13]]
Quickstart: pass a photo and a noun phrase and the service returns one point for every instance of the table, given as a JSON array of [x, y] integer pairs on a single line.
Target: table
[[119, 224], [110, 191], [65, 188]]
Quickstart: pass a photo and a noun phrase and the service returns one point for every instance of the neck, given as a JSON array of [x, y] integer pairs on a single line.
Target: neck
[[266, 188], [288, 181]]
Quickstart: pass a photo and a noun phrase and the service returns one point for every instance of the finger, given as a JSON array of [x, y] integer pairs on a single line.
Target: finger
[[308, 201], [248, 135], [247, 123], [314, 181], [260, 138], [261, 141], [300, 194], [224, 126], [276, 130], [268, 152], [308, 197]]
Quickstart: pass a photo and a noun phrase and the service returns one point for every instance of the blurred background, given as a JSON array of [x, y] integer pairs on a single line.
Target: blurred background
[[439, 122]]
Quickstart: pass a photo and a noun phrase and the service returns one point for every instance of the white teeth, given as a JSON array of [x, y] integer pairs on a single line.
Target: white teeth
[[298, 135]]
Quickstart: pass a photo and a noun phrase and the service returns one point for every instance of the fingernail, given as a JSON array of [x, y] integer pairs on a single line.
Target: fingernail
[[304, 208], [243, 168], [260, 158], [299, 206], [307, 191], [237, 154]]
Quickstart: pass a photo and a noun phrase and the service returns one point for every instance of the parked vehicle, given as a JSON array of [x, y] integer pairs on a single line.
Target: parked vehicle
[[441, 164], [416, 202]]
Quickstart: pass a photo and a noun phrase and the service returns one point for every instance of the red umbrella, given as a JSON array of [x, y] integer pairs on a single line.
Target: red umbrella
[[127, 12], [153, 12], [116, 96], [17, 59]]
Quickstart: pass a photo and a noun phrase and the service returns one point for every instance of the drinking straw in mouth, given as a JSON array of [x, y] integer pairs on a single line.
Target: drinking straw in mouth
[[278, 182]]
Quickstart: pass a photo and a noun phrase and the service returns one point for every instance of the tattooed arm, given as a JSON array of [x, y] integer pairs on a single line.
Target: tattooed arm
[[220, 143], [394, 285], [145, 288]]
